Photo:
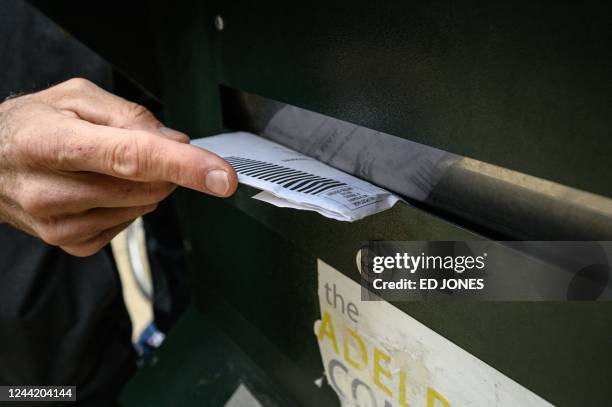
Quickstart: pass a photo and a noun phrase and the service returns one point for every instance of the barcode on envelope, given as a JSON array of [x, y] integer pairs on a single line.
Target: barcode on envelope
[[289, 178]]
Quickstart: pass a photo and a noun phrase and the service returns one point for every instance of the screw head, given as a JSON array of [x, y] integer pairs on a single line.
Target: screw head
[[219, 23]]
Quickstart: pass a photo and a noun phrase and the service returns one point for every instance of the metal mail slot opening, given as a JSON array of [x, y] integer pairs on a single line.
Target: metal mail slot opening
[[497, 202]]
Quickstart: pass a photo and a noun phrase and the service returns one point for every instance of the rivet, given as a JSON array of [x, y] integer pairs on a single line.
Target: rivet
[[219, 23]]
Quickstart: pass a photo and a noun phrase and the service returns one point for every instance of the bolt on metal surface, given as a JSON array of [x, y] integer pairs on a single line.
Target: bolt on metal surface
[[219, 23]]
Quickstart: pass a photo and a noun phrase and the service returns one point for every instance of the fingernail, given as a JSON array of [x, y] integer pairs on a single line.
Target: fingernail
[[217, 181], [167, 131]]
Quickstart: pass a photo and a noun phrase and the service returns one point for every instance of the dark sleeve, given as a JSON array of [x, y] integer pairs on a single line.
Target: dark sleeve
[[62, 318]]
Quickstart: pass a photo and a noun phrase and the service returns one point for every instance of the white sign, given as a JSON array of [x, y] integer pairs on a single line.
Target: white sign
[[375, 355]]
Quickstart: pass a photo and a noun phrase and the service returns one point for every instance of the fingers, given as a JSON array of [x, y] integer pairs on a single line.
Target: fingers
[[47, 195], [70, 230], [95, 105], [141, 156], [96, 243]]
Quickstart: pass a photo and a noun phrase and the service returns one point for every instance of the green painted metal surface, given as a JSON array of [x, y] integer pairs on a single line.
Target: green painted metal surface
[[522, 85]]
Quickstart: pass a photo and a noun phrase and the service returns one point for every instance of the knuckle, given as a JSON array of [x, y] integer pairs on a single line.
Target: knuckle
[[77, 84], [127, 159], [181, 138], [134, 110], [91, 246], [136, 113], [34, 202], [51, 234]]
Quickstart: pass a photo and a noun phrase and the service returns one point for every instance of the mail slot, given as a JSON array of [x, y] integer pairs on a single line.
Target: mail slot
[[490, 123]]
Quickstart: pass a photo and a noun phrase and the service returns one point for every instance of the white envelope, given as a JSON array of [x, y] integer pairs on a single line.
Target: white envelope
[[293, 180]]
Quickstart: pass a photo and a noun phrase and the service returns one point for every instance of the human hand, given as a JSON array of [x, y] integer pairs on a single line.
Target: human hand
[[78, 165]]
